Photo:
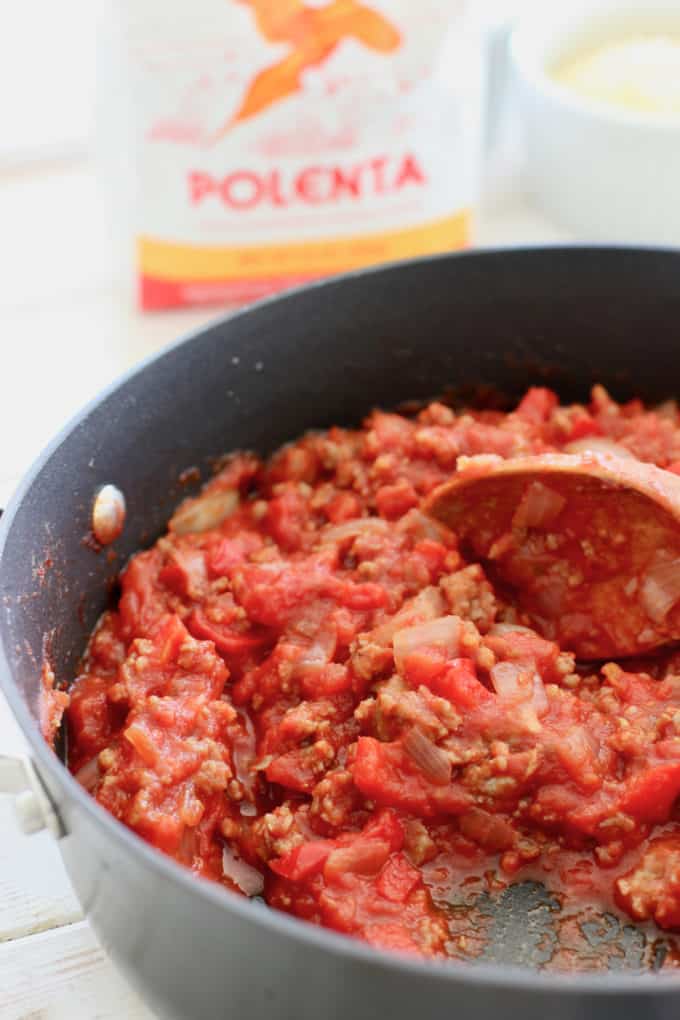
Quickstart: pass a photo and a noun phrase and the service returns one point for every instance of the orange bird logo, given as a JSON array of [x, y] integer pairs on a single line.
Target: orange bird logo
[[313, 34]]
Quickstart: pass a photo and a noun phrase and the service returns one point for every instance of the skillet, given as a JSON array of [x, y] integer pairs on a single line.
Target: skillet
[[478, 323]]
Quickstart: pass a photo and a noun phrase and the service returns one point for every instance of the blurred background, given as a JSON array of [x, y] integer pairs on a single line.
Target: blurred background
[[69, 319]]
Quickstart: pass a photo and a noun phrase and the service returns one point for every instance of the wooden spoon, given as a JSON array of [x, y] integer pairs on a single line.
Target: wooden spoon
[[588, 543]]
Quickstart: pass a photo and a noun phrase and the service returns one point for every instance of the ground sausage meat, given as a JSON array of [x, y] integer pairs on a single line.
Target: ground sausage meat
[[306, 691]]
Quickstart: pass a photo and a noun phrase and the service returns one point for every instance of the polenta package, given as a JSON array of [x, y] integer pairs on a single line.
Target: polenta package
[[274, 141]]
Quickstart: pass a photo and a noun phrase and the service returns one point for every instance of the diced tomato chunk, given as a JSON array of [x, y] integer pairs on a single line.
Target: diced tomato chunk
[[386, 825], [165, 833], [287, 516], [527, 647], [323, 681], [453, 679], [304, 861], [385, 773], [394, 501], [169, 638], [363, 597], [227, 553], [434, 554], [459, 684], [343, 507], [229, 641], [649, 797], [91, 718], [397, 879], [184, 572], [142, 598], [424, 666], [296, 770]]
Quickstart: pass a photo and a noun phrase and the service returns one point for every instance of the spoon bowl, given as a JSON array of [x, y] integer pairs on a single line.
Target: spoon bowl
[[588, 544]]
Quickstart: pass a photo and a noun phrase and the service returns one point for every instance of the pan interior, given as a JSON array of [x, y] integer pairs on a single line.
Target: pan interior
[[525, 925]]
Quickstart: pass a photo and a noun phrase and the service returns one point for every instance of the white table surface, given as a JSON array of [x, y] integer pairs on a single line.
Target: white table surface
[[66, 329]]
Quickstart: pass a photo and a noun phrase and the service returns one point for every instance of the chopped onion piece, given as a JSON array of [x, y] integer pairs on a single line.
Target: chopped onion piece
[[539, 699], [510, 628], [597, 444], [89, 775], [661, 589], [429, 758], [526, 718], [354, 528], [539, 506], [322, 647], [443, 633], [578, 748], [518, 684], [204, 512], [419, 525], [248, 879], [427, 605], [363, 857], [511, 680]]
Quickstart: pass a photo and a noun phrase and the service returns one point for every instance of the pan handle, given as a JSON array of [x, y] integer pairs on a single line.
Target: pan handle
[[32, 803]]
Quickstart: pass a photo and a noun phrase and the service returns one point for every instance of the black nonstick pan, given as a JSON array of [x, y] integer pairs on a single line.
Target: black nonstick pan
[[471, 326]]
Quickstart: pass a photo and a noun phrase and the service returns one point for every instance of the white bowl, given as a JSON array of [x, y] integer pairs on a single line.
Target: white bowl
[[600, 171]]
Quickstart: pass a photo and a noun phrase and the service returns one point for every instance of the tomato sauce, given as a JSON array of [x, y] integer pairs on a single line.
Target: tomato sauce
[[307, 692]]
